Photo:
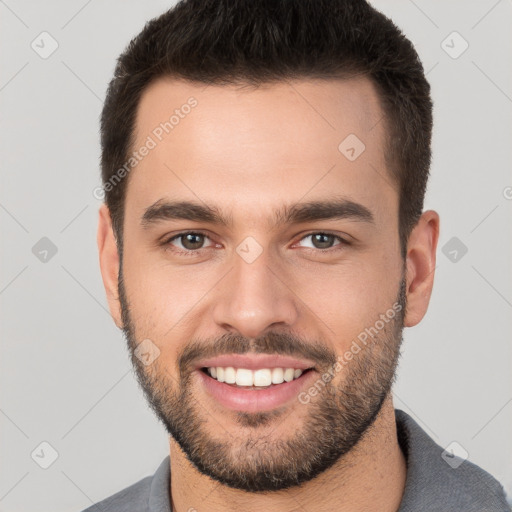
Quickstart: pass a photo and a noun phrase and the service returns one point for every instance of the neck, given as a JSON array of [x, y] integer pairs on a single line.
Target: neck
[[374, 471]]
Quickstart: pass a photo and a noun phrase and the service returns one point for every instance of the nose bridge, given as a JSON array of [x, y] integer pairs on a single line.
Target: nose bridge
[[252, 297]]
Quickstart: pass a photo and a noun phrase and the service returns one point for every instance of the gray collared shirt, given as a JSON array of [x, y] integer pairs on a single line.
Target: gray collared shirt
[[432, 485]]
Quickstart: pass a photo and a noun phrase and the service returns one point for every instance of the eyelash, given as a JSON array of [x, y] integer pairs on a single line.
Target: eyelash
[[194, 252]]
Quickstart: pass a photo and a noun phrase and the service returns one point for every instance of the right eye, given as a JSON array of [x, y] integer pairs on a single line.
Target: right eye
[[188, 242]]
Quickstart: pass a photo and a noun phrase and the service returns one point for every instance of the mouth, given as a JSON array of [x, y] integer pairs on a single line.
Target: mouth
[[254, 384]]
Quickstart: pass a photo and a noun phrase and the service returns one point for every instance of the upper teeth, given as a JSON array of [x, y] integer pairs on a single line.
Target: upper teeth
[[260, 378]]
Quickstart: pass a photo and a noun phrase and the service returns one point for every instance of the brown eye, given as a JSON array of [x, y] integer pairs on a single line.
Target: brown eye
[[192, 241], [322, 240], [188, 241]]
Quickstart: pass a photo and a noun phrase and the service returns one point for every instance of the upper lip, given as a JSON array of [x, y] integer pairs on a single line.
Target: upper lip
[[255, 361]]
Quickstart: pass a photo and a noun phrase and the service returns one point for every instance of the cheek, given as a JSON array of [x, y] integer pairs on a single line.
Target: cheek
[[163, 300], [343, 302]]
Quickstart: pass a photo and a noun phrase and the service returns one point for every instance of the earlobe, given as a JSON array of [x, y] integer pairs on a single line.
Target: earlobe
[[109, 263], [421, 263]]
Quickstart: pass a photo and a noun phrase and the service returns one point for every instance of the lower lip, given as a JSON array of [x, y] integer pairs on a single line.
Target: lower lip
[[254, 399]]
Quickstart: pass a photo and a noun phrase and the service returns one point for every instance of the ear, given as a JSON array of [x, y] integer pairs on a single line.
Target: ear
[[421, 263], [109, 262]]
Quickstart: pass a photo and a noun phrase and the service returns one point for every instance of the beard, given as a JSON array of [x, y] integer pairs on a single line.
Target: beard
[[339, 416]]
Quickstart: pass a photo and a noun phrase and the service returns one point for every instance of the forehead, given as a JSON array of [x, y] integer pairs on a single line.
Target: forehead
[[242, 146]]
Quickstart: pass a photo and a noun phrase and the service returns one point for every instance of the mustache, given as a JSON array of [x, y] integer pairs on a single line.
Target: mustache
[[270, 343]]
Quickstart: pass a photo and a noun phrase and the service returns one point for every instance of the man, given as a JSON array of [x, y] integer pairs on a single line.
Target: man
[[262, 245]]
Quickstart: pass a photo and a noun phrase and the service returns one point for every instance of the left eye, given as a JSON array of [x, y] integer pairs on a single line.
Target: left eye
[[322, 240], [189, 241]]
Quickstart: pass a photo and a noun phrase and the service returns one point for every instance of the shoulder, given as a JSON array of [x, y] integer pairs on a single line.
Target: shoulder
[[439, 481], [146, 495], [134, 497]]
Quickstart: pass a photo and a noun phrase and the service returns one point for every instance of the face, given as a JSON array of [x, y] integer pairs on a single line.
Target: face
[[262, 274]]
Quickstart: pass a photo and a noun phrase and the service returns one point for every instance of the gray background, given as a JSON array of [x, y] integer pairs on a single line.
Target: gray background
[[65, 377]]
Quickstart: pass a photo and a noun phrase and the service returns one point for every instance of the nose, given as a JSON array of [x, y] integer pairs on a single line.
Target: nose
[[254, 298]]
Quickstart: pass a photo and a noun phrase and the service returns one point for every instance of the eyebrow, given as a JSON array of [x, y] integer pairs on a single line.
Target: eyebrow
[[164, 210]]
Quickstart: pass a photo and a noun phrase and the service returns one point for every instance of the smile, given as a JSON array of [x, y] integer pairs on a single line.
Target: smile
[[244, 390]]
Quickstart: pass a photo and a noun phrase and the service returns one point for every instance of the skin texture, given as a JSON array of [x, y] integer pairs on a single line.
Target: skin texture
[[249, 152]]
